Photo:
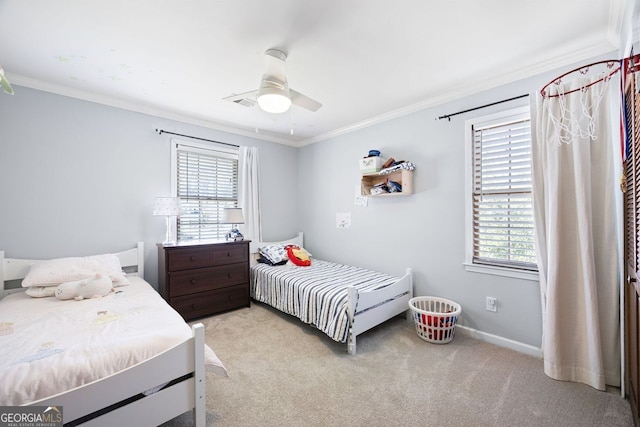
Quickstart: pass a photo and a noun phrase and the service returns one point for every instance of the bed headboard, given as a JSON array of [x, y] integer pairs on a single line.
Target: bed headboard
[[298, 240], [16, 269]]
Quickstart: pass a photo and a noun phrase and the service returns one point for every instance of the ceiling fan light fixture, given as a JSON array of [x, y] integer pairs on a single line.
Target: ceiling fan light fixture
[[274, 99], [273, 95]]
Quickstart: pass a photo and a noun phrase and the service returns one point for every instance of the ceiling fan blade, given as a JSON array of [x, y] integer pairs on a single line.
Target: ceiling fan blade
[[247, 99], [234, 97], [304, 101]]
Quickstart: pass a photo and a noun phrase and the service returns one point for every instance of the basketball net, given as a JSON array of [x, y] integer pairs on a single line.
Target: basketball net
[[571, 123]]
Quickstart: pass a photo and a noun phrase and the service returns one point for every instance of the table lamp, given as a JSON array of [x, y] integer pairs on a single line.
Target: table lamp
[[168, 207], [233, 216]]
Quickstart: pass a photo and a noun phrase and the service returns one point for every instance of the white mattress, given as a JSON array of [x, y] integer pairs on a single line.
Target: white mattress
[[48, 346]]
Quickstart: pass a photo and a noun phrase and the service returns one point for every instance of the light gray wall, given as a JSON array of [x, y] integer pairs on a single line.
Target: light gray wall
[[80, 178], [424, 231]]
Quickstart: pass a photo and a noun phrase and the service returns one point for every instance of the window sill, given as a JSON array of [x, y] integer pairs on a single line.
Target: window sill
[[501, 271]]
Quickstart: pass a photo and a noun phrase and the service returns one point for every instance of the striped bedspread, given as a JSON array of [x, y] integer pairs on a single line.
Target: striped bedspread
[[316, 294]]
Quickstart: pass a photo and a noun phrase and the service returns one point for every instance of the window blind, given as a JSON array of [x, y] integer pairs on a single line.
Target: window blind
[[207, 182], [502, 199]]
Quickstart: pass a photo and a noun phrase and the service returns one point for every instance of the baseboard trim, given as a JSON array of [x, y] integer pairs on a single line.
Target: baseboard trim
[[500, 341]]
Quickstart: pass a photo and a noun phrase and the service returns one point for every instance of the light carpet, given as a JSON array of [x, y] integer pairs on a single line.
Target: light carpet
[[285, 373]]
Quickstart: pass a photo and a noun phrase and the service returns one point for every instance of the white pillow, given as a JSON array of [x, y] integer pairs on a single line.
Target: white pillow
[[41, 291], [60, 270], [114, 269]]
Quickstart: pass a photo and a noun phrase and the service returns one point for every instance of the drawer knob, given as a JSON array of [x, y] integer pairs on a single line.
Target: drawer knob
[[228, 253], [193, 281], [230, 297], [192, 258], [229, 275]]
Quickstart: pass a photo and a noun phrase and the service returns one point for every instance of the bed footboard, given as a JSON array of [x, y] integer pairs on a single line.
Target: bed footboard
[[370, 308], [120, 400]]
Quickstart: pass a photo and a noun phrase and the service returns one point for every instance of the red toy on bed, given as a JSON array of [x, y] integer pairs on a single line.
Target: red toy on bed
[[298, 256]]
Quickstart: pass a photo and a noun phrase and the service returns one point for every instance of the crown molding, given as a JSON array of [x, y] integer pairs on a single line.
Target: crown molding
[[635, 24], [28, 82], [434, 100], [617, 21], [468, 90]]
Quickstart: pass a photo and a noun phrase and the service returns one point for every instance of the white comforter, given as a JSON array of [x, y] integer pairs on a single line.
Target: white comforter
[[48, 346]]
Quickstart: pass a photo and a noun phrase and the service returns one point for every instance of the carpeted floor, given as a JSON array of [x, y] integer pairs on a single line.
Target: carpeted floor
[[285, 373]]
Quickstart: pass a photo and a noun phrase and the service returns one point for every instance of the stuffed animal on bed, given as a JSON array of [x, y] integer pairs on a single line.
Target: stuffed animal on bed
[[298, 256], [93, 287]]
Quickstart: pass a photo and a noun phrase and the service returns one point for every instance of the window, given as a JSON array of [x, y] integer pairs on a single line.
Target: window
[[205, 179], [499, 198]]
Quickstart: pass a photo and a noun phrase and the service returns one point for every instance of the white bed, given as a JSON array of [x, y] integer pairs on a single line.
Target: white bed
[[342, 301], [124, 359]]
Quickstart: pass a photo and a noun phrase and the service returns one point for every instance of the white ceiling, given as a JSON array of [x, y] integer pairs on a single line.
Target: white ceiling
[[364, 60]]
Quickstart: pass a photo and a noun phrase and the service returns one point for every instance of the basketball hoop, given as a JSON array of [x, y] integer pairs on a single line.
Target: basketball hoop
[[595, 77], [588, 84]]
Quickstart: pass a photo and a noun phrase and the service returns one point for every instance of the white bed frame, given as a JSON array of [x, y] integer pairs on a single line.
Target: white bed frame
[[115, 400], [370, 308]]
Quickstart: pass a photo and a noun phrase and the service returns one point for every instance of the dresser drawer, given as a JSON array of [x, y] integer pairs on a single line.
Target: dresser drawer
[[204, 279], [229, 255], [205, 303], [190, 258]]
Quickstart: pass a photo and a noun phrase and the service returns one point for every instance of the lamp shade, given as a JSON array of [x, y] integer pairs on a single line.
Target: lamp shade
[[232, 216], [168, 206], [274, 96]]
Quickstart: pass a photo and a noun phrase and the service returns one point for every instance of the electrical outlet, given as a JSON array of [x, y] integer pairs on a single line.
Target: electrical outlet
[[492, 304]]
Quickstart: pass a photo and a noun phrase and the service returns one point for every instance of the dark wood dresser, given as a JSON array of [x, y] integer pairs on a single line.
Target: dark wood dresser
[[203, 278]]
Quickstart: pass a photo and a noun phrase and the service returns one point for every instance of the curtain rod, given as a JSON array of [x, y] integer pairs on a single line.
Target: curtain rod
[[160, 132], [448, 116]]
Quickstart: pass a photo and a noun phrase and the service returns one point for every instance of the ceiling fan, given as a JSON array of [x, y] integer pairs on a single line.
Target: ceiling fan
[[274, 94]]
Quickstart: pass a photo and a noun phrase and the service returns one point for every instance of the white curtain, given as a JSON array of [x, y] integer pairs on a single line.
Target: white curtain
[[249, 195], [577, 209]]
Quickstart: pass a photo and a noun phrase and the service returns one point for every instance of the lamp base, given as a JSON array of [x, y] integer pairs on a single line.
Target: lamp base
[[234, 235], [168, 238]]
